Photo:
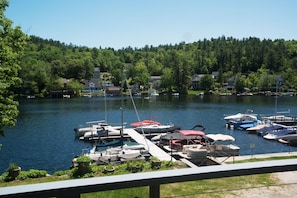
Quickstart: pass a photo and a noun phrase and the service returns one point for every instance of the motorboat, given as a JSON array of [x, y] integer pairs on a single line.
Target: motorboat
[[270, 129], [248, 125], [279, 133], [175, 140], [156, 128], [116, 153], [240, 119], [290, 139], [282, 119], [255, 129], [219, 145], [215, 145]]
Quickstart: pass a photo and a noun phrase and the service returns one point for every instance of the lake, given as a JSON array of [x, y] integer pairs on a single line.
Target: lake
[[43, 137]]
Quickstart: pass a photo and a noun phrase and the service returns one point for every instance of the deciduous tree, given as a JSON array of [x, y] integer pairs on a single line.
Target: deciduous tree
[[12, 42]]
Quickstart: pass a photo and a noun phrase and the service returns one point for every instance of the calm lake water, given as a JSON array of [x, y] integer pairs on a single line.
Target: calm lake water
[[43, 137]]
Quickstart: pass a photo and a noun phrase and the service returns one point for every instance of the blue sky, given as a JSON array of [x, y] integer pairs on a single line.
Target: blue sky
[[136, 23]]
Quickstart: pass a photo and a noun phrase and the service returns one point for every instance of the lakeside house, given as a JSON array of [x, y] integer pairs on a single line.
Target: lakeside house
[[195, 79], [93, 84]]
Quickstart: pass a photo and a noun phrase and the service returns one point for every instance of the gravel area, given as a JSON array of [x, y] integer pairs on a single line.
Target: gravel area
[[287, 188]]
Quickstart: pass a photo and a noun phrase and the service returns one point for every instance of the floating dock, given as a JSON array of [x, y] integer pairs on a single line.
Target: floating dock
[[154, 150]]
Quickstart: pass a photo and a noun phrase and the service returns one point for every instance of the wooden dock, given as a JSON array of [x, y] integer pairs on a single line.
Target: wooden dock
[[154, 150]]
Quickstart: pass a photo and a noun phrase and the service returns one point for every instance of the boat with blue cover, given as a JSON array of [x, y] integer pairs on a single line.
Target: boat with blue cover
[[269, 129], [279, 133], [241, 119]]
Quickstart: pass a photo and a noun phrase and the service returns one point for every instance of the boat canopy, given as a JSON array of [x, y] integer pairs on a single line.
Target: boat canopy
[[192, 132], [145, 123], [179, 136], [220, 137], [239, 116]]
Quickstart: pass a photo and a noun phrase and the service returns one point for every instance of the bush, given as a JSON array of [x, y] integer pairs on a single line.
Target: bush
[[63, 172], [4, 177], [33, 173], [83, 159], [135, 165], [169, 163], [83, 167]]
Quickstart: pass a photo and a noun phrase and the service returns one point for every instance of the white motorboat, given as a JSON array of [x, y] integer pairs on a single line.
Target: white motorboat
[[212, 147], [104, 132], [217, 146], [290, 139], [236, 120], [116, 154], [277, 134], [95, 126], [282, 119], [155, 128]]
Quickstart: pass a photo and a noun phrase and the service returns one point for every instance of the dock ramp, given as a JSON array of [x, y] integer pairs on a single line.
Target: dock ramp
[[154, 150]]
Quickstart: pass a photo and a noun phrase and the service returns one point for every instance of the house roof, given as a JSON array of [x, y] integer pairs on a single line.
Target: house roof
[[114, 88]]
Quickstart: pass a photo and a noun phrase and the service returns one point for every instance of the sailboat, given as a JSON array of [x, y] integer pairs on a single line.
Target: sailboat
[[279, 117], [95, 129]]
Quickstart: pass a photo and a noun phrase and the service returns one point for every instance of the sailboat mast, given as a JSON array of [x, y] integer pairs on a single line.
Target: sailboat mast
[[105, 108], [122, 102], [276, 96], [278, 81]]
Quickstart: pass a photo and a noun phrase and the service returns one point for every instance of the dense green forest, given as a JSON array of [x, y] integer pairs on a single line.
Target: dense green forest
[[253, 62]]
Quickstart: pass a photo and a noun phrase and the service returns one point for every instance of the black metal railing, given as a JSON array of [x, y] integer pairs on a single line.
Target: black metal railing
[[76, 187]]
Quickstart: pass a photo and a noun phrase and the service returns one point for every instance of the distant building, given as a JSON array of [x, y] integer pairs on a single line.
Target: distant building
[[215, 74], [195, 81], [230, 84], [155, 82], [114, 91], [107, 84], [93, 85], [154, 79], [96, 73]]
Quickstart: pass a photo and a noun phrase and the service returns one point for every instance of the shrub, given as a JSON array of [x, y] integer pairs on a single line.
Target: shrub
[[169, 163], [83, 159], [135, 165], [23, 175], [33, 173], [83, 167], [63, 172]]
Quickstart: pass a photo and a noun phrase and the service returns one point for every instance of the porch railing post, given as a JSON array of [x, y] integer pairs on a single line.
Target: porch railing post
[[155, 190]]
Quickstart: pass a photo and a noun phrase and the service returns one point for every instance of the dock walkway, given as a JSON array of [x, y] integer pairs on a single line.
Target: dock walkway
[[153, 149], [267, 155]]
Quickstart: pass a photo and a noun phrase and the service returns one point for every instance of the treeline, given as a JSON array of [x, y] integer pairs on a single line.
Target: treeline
[[253, 62]]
